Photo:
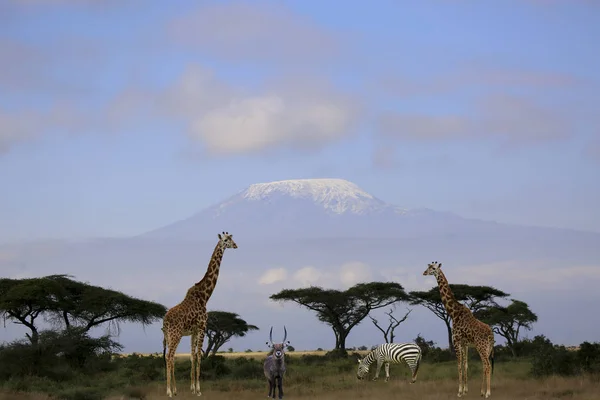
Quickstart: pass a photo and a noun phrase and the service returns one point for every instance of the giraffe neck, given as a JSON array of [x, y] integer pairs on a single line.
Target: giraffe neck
[[450, 303], [209, 281]]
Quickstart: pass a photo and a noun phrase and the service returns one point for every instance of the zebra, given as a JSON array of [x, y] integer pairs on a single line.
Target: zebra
[[274, 365], [391, 352]]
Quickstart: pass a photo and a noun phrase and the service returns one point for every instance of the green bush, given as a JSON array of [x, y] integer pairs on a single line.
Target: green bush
[[589, 357], [57, 355], [549, 359]]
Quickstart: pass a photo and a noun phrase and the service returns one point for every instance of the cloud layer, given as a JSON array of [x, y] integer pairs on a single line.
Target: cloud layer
[[295, 98]]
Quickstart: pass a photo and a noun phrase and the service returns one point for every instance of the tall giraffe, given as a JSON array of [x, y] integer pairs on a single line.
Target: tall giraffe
[[188, 318], [466, 331]]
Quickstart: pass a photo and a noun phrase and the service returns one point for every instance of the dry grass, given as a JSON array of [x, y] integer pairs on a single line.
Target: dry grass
[[436, 382], [502, 389]]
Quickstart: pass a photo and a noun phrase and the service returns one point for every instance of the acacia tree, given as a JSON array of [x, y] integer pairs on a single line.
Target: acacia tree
[[23, 301], [221, 326], [344, 309], [508, 321], [393, 323], [476, 298], [86, 306], [71, 303]]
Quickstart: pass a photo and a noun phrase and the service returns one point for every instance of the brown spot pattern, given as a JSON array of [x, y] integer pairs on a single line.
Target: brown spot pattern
[[467, 331]]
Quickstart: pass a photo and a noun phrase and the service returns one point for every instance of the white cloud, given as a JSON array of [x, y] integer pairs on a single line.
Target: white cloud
[[237, 31], [410, 278], [231, 120], [530, 275], [512, 120], [308, 276], [354, 272], [15, 128], [273, 276], [255, 123]]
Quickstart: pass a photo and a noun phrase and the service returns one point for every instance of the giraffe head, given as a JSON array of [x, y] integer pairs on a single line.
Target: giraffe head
[[363, 369], [278, 348], [433, 269], [226, 241]]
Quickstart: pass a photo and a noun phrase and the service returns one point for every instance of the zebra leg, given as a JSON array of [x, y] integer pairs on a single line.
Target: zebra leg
[[415, 370], [378, 369], [387, 371]]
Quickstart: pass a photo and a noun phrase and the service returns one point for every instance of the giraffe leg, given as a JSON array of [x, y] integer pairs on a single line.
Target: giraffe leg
[[459, 358], [487, 372], [485, 354], [465, 369], [193, 341], [200, 341], [387, 371], [171, 386]]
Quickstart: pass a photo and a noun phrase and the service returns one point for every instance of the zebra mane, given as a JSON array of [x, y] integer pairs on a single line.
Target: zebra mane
[[369, 358]]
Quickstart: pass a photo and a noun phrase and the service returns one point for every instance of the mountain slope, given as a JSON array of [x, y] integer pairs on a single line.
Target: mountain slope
[[317, 208]]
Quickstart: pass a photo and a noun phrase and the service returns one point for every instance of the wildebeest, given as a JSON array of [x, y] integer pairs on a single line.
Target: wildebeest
[[274, 365]]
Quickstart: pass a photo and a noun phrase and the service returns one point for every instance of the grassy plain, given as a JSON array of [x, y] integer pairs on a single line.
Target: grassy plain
[[336, 380]]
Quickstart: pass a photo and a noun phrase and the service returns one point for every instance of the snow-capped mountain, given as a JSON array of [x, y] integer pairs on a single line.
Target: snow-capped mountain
[[336, 196], [309, 208]]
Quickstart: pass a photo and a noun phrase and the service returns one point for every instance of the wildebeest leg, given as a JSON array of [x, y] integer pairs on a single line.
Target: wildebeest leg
[[280, 384]]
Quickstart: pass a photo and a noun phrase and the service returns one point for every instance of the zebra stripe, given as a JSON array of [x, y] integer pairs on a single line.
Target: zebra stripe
[[391, 353]]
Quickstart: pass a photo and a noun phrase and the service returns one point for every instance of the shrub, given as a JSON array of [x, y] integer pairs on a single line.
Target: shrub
[[588, 356], [57, 355], [425, 345], [549, 359]]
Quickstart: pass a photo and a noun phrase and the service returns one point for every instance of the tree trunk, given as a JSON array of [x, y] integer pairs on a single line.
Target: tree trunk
[[342, 342], [337, 339], [34, 338], [511, 345], [450, 344]]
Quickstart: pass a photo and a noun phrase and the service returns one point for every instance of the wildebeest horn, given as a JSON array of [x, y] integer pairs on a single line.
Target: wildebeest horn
[[284, 334]]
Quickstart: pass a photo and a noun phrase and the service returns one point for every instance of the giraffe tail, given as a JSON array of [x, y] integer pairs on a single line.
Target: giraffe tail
[[165, 349], [492, 359]]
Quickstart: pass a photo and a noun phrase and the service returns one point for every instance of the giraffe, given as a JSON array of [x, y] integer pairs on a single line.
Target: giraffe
[[188, 318], [466, 331]]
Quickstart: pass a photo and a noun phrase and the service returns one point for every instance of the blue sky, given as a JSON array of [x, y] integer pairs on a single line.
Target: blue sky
[[117, 117]]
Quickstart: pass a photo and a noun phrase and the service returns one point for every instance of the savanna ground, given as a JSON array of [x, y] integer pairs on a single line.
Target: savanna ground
[[312, 376]]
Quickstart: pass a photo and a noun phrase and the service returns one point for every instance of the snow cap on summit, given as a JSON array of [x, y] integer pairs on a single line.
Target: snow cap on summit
[[335, 195]]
